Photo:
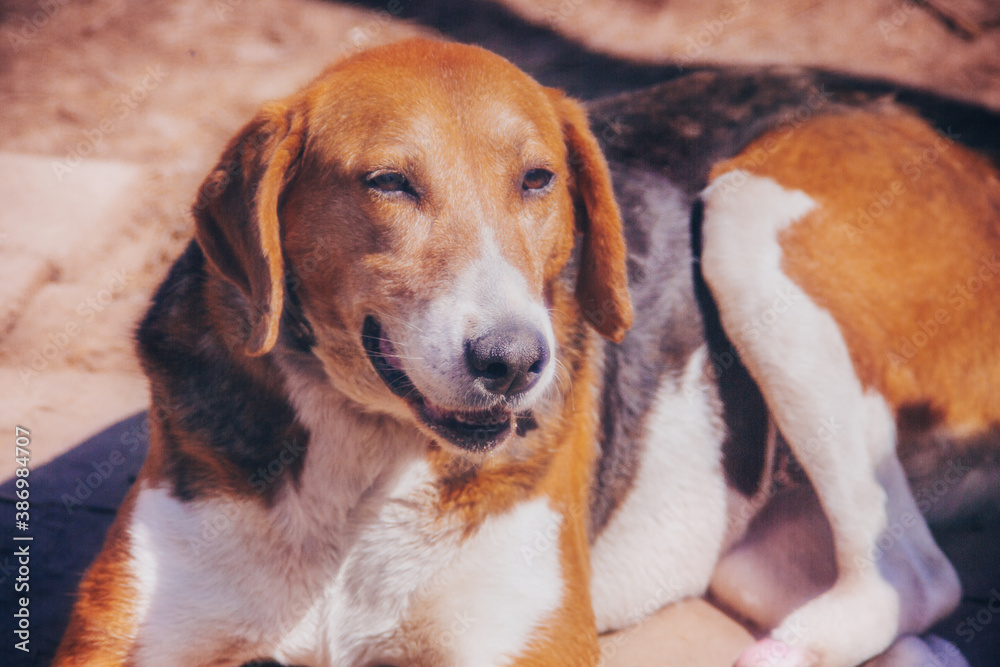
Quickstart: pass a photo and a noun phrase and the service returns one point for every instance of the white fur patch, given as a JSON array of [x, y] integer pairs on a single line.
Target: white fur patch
[[181, 551], [838, 432], [144, 567], [502, 587], [662, 542], [358, 606]]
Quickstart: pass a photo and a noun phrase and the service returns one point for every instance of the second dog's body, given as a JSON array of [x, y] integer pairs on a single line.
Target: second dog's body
[[820, 287]]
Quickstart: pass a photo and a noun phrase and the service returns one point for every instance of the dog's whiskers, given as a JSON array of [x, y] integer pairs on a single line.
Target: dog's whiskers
[[395, 352], [563, 381], [405, 323]]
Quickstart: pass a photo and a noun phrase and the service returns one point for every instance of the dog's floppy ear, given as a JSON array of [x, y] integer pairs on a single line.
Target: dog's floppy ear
[[236, 216], [602, 282]]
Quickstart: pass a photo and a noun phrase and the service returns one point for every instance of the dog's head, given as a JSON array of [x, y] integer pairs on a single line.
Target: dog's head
[[422, 199]]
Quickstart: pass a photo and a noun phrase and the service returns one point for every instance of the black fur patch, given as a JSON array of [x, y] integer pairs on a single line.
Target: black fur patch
[[744, 450], [214, 408], [667, 329], [681, 128]]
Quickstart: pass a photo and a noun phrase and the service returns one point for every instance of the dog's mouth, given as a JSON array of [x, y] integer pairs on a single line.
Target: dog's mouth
[[475, 430]]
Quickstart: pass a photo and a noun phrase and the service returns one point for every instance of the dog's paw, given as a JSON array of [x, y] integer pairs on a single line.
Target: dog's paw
[[770, 652]]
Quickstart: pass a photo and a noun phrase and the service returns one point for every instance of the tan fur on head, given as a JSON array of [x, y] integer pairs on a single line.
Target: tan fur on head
[[238, 225]]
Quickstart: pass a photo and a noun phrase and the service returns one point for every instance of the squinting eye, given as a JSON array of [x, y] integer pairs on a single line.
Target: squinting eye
[[389, 181], [536, 179]]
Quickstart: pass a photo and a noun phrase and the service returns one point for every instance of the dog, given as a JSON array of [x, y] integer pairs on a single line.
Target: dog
[[373, 384], [402, 415]]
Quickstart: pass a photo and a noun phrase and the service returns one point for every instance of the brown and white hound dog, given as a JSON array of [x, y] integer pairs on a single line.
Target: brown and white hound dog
[[397, 420]]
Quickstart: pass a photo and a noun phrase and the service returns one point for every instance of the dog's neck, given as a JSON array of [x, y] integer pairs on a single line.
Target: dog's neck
[[351, 448]]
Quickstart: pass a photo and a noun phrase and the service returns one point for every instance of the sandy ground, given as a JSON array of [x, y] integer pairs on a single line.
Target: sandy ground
[[950, 46], [111, 112]]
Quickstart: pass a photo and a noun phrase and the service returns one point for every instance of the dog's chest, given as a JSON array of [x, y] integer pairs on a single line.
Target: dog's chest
[[414, 589], [346, 569]]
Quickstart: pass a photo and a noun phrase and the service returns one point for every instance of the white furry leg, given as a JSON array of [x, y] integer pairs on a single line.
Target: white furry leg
[[842, 436]]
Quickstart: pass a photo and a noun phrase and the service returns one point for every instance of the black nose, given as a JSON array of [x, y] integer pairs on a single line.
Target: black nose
[[509, 360]]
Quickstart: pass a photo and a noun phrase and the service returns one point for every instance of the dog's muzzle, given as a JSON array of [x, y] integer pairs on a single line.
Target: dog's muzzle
[[504, 364]]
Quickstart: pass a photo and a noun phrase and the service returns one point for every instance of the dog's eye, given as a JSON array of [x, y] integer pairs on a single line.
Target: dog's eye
[[389, 181], [536, 179]]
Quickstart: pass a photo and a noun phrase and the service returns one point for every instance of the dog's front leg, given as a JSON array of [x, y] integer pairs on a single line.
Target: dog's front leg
[[843, 436], [102, 628], [146, 600]]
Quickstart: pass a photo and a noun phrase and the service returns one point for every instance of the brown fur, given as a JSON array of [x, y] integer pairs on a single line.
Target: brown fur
[[571, 637], [896, 238], [602, 289], [237, 216], [102, 627]]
